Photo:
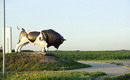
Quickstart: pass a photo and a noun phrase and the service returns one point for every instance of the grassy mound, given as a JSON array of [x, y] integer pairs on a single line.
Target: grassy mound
[[38, 62], [53, 76]]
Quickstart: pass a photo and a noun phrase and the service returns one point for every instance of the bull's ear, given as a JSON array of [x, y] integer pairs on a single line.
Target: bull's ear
[[40, 38]]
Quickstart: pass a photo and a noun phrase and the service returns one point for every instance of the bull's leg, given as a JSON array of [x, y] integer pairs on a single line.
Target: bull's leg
[[44, 49], [43, 44], [17, 47], [22, 46]]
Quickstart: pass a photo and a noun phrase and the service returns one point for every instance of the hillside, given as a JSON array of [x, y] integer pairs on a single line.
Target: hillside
[[35, 61]]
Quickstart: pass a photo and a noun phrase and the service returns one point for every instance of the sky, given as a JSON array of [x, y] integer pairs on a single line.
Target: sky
[[85, 24]]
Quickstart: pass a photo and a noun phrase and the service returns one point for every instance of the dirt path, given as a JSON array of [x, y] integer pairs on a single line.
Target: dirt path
[[105, 66]]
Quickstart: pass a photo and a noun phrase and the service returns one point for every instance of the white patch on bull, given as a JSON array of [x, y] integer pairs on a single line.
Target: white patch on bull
[[41, 37], [39, 42]]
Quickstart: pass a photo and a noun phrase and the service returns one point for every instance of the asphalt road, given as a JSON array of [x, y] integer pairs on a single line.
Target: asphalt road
[[105, 66]]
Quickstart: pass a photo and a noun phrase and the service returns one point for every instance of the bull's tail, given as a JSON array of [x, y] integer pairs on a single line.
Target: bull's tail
[[22, 34], [20, 28]]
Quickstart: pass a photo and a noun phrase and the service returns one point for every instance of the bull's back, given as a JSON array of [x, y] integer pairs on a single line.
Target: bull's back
[[32, 36], [53, 34]]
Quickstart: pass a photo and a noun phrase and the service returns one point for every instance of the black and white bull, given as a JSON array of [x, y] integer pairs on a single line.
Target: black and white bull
[[44, 38]]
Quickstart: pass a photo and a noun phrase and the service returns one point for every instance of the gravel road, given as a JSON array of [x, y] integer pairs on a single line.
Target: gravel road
[[105, 66]]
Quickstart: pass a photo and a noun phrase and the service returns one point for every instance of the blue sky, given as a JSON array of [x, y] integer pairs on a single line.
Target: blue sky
[[86, 24]]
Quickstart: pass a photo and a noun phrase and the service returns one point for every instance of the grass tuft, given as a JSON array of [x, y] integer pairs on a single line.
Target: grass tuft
[[119, 77], [54, 76]]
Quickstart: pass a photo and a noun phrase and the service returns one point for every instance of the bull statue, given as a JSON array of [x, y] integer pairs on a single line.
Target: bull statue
[[44, 38]]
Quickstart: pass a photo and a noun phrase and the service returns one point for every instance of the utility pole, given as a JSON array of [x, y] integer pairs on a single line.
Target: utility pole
[[4, 61]]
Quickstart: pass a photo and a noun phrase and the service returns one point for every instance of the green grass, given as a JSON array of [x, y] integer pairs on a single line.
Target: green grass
[[22, 62], [25, 63], [16, 62], [52, 76], [119, 77], [93, 55], [62, 76]]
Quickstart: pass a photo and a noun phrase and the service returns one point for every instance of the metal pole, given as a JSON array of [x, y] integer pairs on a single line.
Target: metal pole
[[4, 39]]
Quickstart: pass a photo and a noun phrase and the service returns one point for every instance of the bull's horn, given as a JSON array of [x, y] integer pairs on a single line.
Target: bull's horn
[[64, 39]]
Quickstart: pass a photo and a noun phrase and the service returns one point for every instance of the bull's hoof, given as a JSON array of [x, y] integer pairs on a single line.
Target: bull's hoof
[[17, 52], [43, 53]]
